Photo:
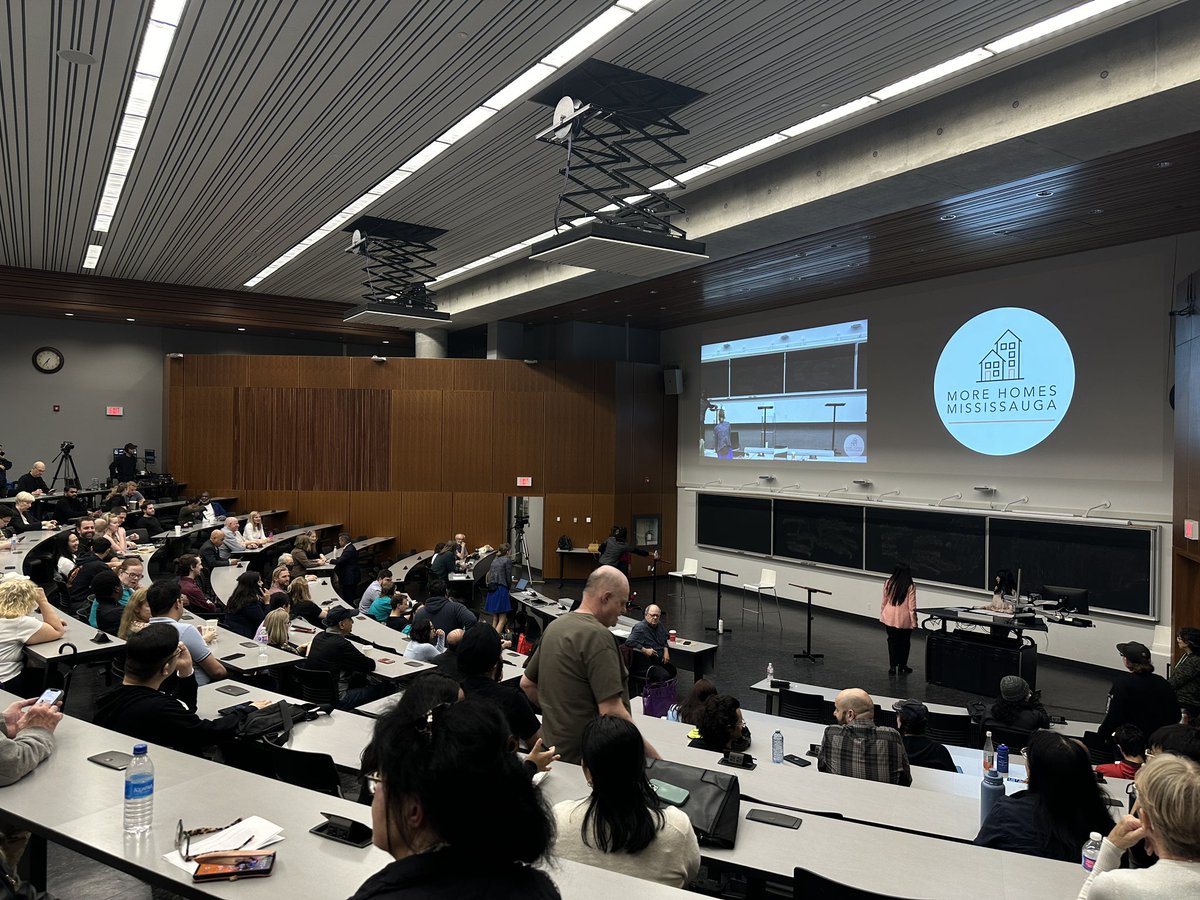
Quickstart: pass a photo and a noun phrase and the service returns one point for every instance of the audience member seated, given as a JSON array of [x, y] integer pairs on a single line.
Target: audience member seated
[[136, 614], [166, 606], [309, 612], [692, 707], [331, 652], [247, 605], [1182, 740], [210, 510], [912, 717], [90, 563], [130, 571], [69, 507], [451, 836], [254, 530], [187, 569], [1062, 806], [623, 826], [1131, 744], [69, 557], [649, 641], [122, 541], [19, 597], [147, 519], [390, 603], [374, 589], [189, 514], [425, 642], [32, 481], [23, 519], [281, 580], [139, 708], [1185, 674], [7, 514], [212, 552], [27, 738], [1138, 696], [305, 557], [442, 563], [234, 542], [858, 748], [1017, 709], [130, 496], [274, 631], [1168, 820], [445, 612], [479, 662], [107, 608], [721, 725]]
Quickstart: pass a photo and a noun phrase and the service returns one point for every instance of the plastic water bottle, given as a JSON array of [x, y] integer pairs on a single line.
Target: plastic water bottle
[[139, 792], [777, 747], [720, 626], [1002, 760], [989, 754], [770, 671], [1091, 850], [990, 790]]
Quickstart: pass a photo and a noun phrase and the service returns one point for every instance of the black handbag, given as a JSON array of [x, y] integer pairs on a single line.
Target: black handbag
[[712, 803]]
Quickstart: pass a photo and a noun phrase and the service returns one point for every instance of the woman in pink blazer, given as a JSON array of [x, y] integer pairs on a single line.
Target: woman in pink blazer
[[899, 615]]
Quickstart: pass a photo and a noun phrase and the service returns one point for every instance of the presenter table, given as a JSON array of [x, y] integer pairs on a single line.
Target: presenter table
[[976, 661], [720, 626], [574, 551]]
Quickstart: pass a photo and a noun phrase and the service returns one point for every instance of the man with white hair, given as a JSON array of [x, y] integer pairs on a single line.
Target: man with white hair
[[32, 481], [234, 543]]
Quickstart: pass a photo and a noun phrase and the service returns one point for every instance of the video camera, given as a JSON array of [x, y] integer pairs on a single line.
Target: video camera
[[66, 447], [520, 520]]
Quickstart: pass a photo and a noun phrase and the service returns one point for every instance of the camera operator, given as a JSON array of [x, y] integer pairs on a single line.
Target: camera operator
[[5, 465], [32, 481], [124, 467]]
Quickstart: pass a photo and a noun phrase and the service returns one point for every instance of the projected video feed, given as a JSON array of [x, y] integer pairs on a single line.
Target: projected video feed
[[797, 395]]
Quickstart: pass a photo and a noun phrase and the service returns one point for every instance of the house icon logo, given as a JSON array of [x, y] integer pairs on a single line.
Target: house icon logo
[[1003, 361], [1015, 395]]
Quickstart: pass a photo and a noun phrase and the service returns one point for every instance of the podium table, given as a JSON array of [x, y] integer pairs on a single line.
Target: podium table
[[719, 573], [975, 661]]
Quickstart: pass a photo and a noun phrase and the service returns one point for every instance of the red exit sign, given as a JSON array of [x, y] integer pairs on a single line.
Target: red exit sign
[[524, 481], [114, 410]]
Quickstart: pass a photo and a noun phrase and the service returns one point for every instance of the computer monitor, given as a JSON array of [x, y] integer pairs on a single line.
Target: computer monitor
[[1070, 599]]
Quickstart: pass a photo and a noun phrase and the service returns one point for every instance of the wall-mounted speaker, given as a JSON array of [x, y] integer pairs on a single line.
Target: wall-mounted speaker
[[673, 381]]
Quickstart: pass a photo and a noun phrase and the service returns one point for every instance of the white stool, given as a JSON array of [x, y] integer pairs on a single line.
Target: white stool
[[691, 569], [766, 582]]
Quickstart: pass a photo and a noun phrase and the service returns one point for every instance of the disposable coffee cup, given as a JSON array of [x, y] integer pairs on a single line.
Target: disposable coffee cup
[[178, 530], [671, 635]]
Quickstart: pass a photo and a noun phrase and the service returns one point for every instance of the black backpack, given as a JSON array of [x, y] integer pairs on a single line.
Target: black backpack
[[274, 723], [564, 542]]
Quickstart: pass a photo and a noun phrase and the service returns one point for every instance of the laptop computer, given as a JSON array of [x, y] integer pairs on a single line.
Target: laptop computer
[[521, 584]]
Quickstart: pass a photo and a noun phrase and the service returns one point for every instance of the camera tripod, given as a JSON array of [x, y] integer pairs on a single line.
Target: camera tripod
[[522, 546], [70, 477]]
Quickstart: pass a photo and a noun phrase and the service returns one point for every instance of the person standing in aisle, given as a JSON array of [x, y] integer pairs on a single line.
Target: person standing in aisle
[[899, 616]]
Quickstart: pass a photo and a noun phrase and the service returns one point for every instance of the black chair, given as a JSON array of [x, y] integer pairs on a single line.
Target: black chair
[[1017, 739], [318, 686], [808, 885], [950, 728], [885, 717], [1100, 751], [314, 771], [806, 707]]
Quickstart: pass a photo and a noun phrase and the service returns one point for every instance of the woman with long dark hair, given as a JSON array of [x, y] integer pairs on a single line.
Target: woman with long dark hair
[[425, 642], [1185, 675], [623, 826], [247, 605], [899, 616], [691, 709], [1062, 806], [451, 836]]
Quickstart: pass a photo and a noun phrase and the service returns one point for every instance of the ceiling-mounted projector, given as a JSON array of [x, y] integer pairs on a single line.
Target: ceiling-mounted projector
[[395, 315]]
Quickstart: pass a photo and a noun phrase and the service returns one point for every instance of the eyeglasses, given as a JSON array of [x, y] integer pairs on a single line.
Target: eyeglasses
[[183, 837], [374, 780]]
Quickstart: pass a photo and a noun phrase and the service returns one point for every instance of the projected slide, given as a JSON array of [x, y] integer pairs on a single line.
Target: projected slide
[[797, 395]]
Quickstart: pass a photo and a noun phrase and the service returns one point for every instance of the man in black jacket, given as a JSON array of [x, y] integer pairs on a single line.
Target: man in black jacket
[[479, 663], [69, 506], [447, 614], [140, 709], [912, 717], [347, 570], [330, 651], [211, 553], [1138, 696], [92, 560]]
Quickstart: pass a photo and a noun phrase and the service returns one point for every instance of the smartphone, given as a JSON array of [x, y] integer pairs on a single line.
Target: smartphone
[[250, 644], [669, 793], [773, 818], [112, 759], [386, 660], [232, 867], [245, 704], [232, 656], [232, 690], [796, 760], [51, 695]]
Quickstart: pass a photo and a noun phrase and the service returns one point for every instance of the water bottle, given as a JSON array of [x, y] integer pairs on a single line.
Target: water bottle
[[990, 790], [770, 671], [1091, 850], [1002, 760], [989, 754], [720, 626], [777, 747], [139, 792]]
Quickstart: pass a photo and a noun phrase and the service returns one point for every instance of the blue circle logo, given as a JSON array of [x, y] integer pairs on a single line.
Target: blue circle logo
[[1004, 381]]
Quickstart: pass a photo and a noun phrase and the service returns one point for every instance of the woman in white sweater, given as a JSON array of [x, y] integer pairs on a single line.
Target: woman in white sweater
[[623, 826], [1168, 820]]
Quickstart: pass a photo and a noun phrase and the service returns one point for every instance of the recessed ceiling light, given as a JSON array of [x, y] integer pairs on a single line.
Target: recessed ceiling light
[[68, 314], [1045, 193], [1060, 22], [948, 217], [77, 57], [92, 256], [241, 329], [127, 319], [387, 342], [662, 307], [1165, 164]]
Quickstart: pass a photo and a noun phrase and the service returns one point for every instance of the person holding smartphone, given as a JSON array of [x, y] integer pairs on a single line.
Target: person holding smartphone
[[27, 737]]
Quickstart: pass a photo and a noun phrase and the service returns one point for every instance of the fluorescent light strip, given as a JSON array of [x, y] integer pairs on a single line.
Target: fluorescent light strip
[[157, 40], [564, 53], [1054, 24], [92, 257]]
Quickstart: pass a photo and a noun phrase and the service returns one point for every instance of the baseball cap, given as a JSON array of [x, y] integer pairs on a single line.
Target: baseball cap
[[1134, 651], [337, 615], [910, 710], [1014, 688]]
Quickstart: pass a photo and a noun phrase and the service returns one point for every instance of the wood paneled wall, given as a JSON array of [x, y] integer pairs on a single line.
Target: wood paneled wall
[[1185, 556], [423, 448]]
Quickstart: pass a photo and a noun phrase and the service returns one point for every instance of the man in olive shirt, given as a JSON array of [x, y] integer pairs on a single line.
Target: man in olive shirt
[[576, 673]]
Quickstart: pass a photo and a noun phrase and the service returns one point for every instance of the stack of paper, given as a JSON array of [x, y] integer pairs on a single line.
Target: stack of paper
[[253, 833]]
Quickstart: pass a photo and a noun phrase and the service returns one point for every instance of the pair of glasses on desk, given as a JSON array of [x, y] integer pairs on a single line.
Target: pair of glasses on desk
[[183, 844]]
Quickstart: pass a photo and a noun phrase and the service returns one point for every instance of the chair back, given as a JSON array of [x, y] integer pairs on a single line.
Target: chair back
[[768, 579], [808, 885], [314, 771], [1100, 751], [806, 707], [317, 686], [950, 728], [1016, 738], [690, 566], [885, 717]]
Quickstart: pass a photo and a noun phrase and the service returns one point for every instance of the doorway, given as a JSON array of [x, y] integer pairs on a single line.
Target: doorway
[[527, 556]]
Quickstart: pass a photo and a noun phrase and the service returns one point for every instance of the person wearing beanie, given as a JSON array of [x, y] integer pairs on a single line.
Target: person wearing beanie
[[1138, 696], [1017, 709]]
